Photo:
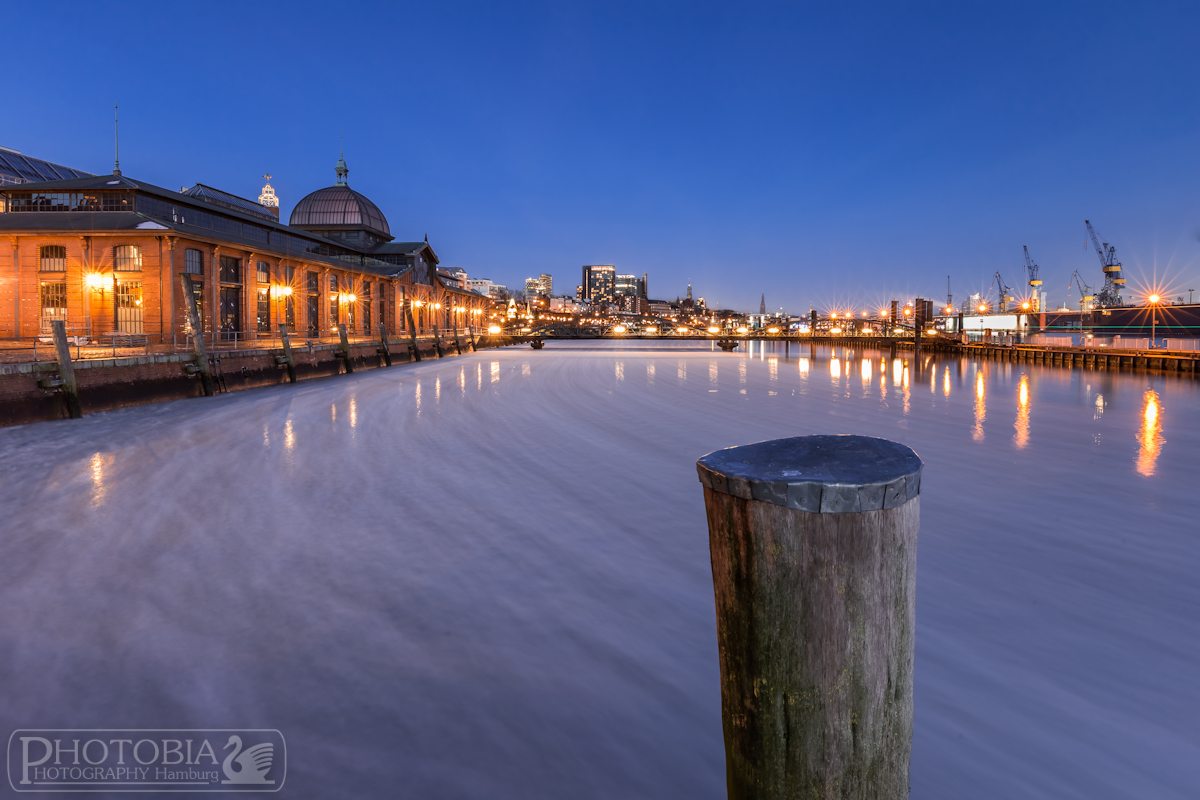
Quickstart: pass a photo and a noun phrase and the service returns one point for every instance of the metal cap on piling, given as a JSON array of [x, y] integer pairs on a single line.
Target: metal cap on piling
[[813, 543]]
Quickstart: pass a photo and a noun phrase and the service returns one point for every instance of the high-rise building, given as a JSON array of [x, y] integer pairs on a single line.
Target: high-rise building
[[645, 285], [532, 287], [545, 285], [626, 286], [762, 304], [599, 283]]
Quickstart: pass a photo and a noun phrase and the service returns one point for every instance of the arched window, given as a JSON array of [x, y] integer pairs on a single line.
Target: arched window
[[54, 258], [193, 262], [127, 258]]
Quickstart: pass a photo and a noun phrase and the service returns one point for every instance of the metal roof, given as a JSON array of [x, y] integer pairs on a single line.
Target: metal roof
[[18, 168], [217, 197], [339, 207]]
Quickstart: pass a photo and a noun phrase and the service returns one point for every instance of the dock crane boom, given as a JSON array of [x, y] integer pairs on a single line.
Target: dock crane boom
[[1085, 291], [1110, 295], [1031, 270], [1006, 294]]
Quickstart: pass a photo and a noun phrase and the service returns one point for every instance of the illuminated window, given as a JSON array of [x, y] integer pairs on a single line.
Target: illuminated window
[[53, 258], [127, 258]]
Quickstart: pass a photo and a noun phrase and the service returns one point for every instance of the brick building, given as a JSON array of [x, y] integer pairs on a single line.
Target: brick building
[[104, 254]]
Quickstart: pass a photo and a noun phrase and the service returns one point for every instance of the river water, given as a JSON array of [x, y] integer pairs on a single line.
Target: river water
[[488, 576]]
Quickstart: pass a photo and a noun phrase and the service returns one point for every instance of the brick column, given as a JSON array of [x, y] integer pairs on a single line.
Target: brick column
[[171, 282], [214, 304], [16, 263]]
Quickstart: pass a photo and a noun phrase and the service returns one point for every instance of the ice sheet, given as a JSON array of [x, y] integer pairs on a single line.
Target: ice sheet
[[488, 576]]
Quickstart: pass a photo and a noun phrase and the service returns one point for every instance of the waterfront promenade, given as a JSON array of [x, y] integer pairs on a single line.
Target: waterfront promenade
[[488, 576]]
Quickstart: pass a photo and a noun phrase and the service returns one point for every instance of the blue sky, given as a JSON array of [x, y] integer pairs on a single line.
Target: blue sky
[[835, 155]]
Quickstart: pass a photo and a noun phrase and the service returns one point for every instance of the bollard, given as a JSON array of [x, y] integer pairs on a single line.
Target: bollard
[[814, 550]]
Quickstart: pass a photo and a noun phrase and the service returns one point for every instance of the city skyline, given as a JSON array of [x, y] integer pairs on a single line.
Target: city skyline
[[900, 147]]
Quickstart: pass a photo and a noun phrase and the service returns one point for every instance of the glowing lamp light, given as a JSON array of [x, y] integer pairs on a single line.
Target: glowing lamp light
[[714, 329], [619, 329], [417, 303], [742, 329], [1025, 306], [95, 281], [864, 313], [351, 297], [983, 306], [835, 330], [651, 329], [682, 329], [437, 305], [493, 329], [772, 330], [1154, 298], [833, 315], [949, 309], [908, 312], [526, 330]]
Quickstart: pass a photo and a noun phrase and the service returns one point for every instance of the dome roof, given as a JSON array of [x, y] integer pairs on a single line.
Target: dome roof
[[339, 207]]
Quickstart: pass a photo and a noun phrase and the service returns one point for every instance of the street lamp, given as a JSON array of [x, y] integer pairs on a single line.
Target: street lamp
[[1153, 317]]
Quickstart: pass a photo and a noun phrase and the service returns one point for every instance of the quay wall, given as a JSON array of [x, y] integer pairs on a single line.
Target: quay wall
[[110, 383]]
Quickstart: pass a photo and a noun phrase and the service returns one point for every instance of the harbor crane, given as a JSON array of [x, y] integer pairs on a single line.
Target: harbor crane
[[1085, 291], [1031, 271], [1110, 295], [1006, 294]]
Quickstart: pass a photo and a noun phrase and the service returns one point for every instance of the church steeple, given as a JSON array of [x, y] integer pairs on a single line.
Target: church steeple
[[343, 172], [762, 304]]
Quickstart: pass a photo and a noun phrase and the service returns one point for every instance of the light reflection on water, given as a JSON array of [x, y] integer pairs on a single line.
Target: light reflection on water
[[1150, 436]]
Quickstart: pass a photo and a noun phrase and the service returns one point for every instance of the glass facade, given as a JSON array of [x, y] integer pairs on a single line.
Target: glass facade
[[69, 201], [338, 205]]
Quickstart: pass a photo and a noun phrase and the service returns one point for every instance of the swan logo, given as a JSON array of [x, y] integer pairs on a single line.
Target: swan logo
[[146, 760], [250, 765]]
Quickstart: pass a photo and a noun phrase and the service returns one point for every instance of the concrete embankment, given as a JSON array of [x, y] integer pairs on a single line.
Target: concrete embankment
[[105, 384]]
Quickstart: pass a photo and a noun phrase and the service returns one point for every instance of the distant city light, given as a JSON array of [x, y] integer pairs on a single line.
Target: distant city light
[[772, 330], [619, 329], [742, 329], [493, 329], [714, 329]]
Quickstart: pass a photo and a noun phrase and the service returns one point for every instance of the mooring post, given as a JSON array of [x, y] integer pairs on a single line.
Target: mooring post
[[344, 349], [814, 552], [189, 296], [412, 330], [66, 370], [289, 362], [383, 345], [437, 342]]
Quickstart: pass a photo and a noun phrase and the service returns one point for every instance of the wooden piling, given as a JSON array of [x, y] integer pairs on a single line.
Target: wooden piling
[[189, 297], [383, 345], [412, 330], [344, 349], [471, 333], [813, 542], [289, 362], [66, 369], [437, 342]]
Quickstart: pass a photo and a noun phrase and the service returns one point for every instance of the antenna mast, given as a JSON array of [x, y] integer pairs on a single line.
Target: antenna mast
[[116, 141]]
